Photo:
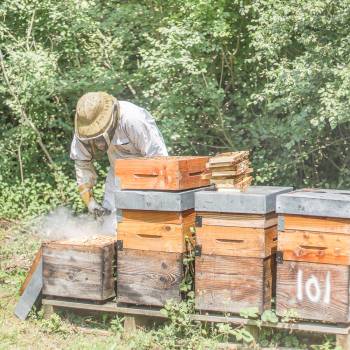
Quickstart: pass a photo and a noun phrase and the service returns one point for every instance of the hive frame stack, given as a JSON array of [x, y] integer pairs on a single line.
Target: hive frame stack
[[235, 242], [230, 170], [155, 226], [314, 255]]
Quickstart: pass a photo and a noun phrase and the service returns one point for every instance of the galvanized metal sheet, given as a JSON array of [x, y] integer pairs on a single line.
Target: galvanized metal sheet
[[157, 200], [256, 200], [315, 202], [31, 293]]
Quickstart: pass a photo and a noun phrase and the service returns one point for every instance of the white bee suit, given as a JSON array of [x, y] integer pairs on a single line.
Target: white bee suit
[[136, 135]]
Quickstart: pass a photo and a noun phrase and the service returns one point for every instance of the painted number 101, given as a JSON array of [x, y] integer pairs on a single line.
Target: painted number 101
[[314, 290]]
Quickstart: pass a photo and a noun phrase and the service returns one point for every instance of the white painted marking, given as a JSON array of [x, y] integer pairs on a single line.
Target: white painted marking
[[327, 293], [315, 295], [300, 285]]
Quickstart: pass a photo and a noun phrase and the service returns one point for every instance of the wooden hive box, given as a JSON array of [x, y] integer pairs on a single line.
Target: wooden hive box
[[148, 277], [162, 173], [156, 231], [82, 269], [236, 238], [152, 233], [314, 255]]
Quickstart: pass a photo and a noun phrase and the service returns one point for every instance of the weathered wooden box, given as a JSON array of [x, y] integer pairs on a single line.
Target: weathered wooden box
[[236, 238], [230, 284], [313, 291], [159, 231], [81, 269], [148, 277], [162, 173], [314, 254]]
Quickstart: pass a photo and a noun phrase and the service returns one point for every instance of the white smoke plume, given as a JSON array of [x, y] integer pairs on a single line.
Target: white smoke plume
[[63, 224]]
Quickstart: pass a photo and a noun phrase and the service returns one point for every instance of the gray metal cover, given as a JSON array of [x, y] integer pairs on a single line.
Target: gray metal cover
[[157, 200], [315, 202], [256, 200], [30, 294]]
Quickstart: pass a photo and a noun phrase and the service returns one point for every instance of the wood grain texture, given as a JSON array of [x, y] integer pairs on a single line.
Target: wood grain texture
[[162, 173], [33, 267], [154, 237], [230, 284], [236, 241], [238, 220], [318, 224], [312, 246], [159, 217], [148, 278], [315, 291], [69, 271]]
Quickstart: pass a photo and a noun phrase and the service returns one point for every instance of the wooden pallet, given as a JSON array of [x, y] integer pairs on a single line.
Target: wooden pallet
[[134, 313]]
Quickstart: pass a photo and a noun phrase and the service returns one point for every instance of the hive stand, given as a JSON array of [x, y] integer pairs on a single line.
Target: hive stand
[[135, 317]]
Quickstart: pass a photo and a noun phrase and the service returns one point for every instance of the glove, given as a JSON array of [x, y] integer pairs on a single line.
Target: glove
[[96, 209]]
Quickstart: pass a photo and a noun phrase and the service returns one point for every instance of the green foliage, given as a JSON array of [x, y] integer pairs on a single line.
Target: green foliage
[[117, 324], [249, 312], [269, 316], [270, 76], [53, 324]]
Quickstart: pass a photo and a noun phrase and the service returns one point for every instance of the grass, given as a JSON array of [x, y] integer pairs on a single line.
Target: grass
[[18, 245]]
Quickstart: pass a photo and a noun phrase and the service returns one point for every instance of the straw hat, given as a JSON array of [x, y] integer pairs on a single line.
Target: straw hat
[[94, 114]]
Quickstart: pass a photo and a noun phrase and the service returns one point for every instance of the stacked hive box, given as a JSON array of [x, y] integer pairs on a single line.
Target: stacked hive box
[[230, 170], [314, 254], [154, 225], [235, 238]]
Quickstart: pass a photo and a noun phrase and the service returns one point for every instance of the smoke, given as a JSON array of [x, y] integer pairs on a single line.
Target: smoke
[[63, 224]]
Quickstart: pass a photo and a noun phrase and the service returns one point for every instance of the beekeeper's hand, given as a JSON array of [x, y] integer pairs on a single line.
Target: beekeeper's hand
[[96, 209]]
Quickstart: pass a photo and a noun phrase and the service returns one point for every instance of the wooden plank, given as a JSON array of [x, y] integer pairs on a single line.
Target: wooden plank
[[230, 174], [33, 267], [79, 271], [113, 307], [159, 217], [154, 237], [233, 157], [244, 183], [238, 220], [230, 284], [148, 278], [315, 291], [236, 241], [162, 173], [318, 224], [244, 164], [311, 246]]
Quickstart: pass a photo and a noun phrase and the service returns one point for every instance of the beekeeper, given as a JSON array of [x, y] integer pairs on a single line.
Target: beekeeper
[[122, 130]]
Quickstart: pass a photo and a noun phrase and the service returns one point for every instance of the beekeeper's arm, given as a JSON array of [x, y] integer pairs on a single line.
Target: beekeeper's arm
[[85, 174], [145, 135]]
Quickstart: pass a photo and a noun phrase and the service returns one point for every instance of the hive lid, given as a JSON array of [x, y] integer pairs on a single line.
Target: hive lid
[[256, 200], [157, 200], [315, 202]]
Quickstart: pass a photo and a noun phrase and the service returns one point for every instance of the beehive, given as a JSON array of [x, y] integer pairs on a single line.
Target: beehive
[[79, 268], [236, 236], [314, 254], [152, 239]]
